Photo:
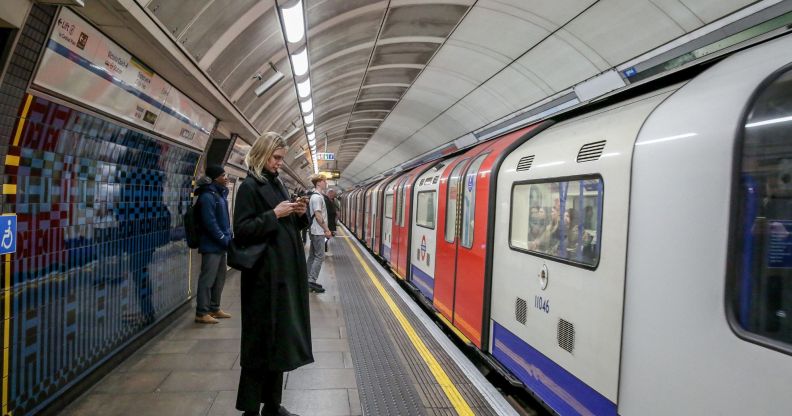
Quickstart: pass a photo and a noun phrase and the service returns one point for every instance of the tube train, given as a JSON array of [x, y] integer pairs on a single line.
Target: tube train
[[633, 260]]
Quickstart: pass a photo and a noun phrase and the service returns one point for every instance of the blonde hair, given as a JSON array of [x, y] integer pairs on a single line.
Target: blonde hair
[[316, 178], [262, 150]]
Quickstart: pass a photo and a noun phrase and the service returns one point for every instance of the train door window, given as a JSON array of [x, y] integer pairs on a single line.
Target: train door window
[[469, 202], [561, 219], [761, 284], [451, 202], [388, 206], [425, 211], [399, 203], [402, 214]]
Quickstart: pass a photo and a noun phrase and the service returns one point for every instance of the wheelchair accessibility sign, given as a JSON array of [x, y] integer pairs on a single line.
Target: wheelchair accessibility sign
[[8, 226]]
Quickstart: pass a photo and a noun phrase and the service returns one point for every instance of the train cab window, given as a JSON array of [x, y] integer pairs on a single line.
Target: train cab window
[[451, 202], [425, 211], [761, 285], [469, 202], [389, 206], [558, 219]]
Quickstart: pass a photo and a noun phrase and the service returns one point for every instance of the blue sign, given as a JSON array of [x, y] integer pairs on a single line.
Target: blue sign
[[470, 182], [8, 226], [630, 72], [779, 251]]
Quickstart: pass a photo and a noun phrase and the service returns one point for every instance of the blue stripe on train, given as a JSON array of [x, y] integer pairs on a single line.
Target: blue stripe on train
[[423, 282], [561, 390]]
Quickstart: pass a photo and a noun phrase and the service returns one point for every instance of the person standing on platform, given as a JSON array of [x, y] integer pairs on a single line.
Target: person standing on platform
[[319, 232], [214, 240], [330, 202], [276, 328]]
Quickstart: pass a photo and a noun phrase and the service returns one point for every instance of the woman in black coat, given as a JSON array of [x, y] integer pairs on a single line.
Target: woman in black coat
[[276, 331]]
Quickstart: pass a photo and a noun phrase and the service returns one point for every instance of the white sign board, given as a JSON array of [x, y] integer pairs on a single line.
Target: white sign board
[[84, 65]]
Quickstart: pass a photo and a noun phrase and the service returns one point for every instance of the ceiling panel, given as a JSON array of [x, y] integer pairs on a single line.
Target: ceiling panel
[[621, 29], [212, 23], [711, 10], [177, 15], [435, 20]]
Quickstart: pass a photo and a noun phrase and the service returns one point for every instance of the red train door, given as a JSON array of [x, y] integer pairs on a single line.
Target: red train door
[[466, 207], [447, 212], [399, 236]]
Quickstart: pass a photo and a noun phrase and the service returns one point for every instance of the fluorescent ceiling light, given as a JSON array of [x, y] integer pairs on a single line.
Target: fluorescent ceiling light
[[306, 105], [309, 128], [300, 62], [308, 119], [311, 136], [304, 88], [269, 83], [293, 22]]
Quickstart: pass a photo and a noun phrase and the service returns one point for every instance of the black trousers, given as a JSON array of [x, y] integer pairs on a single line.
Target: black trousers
[[257, 387]]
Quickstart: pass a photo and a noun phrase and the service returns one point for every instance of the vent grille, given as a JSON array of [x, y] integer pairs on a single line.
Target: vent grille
[[566, 335], [591, 151], [520, 310], [525, 163]]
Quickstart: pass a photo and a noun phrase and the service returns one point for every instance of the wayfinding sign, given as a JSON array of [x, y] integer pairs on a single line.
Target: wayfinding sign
[[325, 156], [8, 227]]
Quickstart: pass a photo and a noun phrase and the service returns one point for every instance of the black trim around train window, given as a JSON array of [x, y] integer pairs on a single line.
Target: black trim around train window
[[555, 180], [417, 208], [732, 274]]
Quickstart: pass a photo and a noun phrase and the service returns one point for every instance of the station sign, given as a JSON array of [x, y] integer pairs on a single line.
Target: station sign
[[84, 65], [325, 156], [332, 174]]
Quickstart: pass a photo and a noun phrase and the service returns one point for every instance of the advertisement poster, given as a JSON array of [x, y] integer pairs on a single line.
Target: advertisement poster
[[84, 65]]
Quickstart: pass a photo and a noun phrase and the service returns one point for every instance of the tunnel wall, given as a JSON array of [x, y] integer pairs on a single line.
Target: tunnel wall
[[101, 255]]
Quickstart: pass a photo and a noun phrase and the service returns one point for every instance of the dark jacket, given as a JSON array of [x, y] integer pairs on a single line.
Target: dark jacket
[[215, 224], [276, 328], [331, 213]]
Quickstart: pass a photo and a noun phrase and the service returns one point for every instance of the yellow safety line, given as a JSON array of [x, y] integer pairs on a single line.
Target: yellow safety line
[[456, 399], [7, 330], [25, 110]]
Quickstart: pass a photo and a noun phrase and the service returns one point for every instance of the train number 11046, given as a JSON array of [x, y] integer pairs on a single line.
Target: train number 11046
[[542, 304]]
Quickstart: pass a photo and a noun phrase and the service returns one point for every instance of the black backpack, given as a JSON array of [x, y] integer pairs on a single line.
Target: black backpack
[[192, 227], [192, 223]]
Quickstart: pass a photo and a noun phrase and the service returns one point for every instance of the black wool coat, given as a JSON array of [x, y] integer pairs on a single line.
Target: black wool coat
[[276, 328]]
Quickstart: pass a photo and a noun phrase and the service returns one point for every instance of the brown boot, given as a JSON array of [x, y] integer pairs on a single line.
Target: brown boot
[[220, 314], [205, 319]]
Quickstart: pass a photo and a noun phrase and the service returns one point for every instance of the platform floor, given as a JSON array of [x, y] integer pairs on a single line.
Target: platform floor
[[376, 354]]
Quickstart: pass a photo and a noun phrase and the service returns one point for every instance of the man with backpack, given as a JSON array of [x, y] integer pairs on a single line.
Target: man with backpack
[[319, 232], [214, 239]]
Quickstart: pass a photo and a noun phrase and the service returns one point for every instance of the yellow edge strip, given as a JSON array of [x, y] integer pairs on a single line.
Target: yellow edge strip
[[456, 399], [456, 332], [7, 330], [25, 110]]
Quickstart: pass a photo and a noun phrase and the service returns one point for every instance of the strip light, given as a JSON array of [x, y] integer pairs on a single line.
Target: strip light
[[292, 19]]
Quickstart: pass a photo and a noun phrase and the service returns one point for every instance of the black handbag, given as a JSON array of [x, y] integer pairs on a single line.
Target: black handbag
[[243, 257]]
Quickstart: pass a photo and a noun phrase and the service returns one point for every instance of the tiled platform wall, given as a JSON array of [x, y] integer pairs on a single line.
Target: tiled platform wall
[[101, 253]]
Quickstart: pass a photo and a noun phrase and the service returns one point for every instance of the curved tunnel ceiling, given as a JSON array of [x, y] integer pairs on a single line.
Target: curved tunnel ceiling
[[395, 79]]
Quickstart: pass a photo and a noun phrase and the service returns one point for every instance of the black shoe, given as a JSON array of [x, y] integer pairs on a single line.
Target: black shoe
[[281, 412], [315, 287]]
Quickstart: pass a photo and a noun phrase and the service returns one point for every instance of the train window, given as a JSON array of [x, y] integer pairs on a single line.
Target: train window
[[399, 204], [761, 284], [561, 219], [451, 202], [469, 202], [425, 211], [402, 214], [389, 206]]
